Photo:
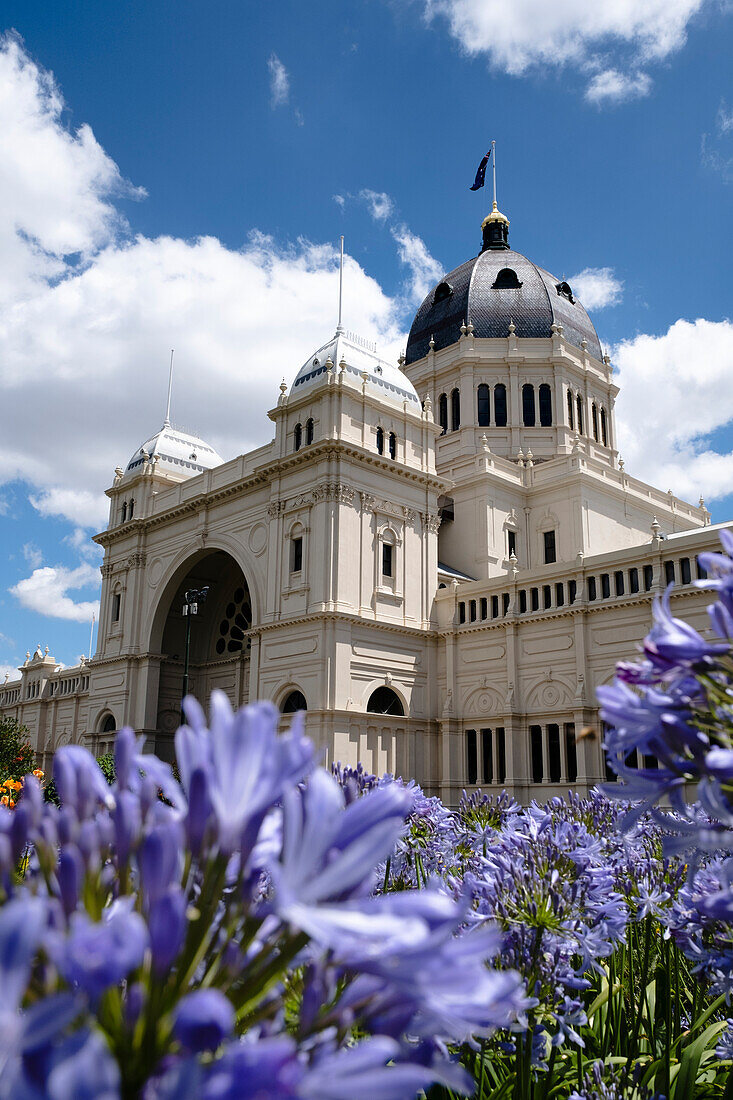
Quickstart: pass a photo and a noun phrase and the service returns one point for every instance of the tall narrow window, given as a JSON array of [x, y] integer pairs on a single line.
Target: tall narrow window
[[387, 559], [488, 756], [553, 752], [309, 430], [550, 547], [604, 435], [579, 408], [594, 418], [392, 445], [380, 441], [571, 417], [545, 405], [132, 509], [443, 412], [297, 437], [455, 410], [500, 755], [124, 511], [471, 757], [296, 554], [500, 405], [511, 539], [116, 604], [483, 409], [535, 735], [572, 754], [528, 414]]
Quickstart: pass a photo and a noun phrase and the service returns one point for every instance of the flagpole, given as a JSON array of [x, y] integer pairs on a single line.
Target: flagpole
[[341, 280], [170, 387], [493, 160]]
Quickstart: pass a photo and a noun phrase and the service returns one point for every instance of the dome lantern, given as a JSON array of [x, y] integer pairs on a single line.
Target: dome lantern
[[495, 228]]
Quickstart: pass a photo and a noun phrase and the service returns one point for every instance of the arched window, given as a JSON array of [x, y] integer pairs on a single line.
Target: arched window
[[109, 725], [132, 509], [380, 441], [528, 414], [571, 418], [442, 291], [483, 406], [604, 435], [545, 405], [309, 430], [594, 419], [443, 412], [500, 405], [124, 511], [579, 407], [455, 410], [385, 701], [297, 437], [506, 280], [392, 445], [294, 702]]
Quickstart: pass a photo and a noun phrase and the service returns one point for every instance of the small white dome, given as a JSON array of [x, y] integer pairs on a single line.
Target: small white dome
[[360, 357], [180, 454]]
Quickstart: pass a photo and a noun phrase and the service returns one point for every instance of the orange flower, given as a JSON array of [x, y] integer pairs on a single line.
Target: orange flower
[[38, 773], [4, 800]]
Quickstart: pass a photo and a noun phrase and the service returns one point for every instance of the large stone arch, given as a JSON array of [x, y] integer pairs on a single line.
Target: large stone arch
[[219, 641], [177, 569]]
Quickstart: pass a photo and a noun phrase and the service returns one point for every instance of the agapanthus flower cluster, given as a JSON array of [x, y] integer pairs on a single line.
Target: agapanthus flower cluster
[[219, 936], [674, 710]]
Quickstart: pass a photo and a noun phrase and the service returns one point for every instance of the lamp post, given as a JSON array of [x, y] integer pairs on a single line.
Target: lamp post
[[191, 600]]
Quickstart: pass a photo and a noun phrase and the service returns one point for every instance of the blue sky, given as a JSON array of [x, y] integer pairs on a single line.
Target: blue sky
[[178, 176]]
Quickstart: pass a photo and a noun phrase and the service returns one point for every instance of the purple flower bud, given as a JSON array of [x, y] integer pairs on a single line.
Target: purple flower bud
[[33, 798], [88, 843], [159, 859], [20, 829], [127, 824], [199, 809], [203, 1020], [125, 748], [96, 956], [67, 825], [134, 1003], [79, 780], [167, 926], [70, 876]]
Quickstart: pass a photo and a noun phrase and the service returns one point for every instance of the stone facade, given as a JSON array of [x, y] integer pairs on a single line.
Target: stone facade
[[446, 596]]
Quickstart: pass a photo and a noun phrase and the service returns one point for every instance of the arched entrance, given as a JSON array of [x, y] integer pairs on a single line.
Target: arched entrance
[[218, 647]]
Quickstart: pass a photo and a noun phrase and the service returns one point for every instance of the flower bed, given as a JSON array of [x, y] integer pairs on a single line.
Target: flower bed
[[260, 928]]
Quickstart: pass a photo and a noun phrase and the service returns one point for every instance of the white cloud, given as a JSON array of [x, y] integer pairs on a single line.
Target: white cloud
[[379, 204], [98, 333], [725, 118], [676, 389], [9, 671], [279, 81], [32, 555], [612, 86], [527, 34], [55, 184], [597, 287], [77, 505], [45, 591], [425, 270]]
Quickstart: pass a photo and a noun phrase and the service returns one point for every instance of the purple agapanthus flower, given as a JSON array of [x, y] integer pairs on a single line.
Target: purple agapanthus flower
[[96, 955]]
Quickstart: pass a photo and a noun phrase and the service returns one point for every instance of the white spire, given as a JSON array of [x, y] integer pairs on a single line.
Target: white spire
[[167, 422]]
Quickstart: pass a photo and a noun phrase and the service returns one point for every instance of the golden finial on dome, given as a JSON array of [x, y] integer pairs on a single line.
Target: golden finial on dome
[[495, 216]]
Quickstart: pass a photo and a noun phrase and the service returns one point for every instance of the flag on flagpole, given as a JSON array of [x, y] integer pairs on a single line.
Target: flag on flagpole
[[481, 173]]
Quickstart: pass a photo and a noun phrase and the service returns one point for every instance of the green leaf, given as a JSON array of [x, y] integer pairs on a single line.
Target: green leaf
[[690, 1061]]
